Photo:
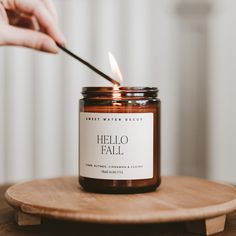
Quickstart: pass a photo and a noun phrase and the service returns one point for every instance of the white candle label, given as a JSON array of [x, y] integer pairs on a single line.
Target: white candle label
[[116, 146]]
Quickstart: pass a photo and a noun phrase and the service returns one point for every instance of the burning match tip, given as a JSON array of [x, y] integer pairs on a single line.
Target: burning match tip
[[117, 83]]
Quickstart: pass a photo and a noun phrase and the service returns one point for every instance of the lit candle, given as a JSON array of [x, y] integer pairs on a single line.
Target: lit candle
[[119, 138]]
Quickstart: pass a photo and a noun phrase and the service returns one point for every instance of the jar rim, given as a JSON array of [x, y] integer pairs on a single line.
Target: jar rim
[[121, 93], [119, 89]]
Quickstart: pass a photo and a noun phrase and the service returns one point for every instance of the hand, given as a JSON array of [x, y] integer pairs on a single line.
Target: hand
[[30, 23]]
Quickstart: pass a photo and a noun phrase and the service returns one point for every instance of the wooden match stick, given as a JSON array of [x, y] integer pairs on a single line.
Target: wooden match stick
[[88, 65]]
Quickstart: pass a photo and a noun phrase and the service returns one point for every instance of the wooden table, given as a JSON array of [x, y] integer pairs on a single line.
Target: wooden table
[[8, 227]]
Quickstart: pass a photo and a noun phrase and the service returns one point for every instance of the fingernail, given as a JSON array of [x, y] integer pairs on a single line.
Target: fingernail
[[49, 46], [60, 44], [61, 37]]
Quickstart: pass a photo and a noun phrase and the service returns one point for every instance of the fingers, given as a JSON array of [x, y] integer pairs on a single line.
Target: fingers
[[3, 14], [38, 9], [51, 8], [28, 38]]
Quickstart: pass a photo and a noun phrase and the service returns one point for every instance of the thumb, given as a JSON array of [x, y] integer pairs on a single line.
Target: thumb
[[29, 38]]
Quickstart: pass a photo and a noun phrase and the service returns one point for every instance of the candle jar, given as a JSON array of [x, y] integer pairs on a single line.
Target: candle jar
[[119, 143]]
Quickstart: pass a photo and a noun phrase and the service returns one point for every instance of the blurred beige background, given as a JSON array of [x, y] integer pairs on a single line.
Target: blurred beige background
[[186, 48]]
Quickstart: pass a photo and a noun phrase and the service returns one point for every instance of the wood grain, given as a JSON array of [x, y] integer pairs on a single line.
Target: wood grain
[[178, 199], [56, 227]]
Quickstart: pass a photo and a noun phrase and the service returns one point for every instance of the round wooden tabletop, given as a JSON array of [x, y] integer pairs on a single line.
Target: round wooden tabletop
[[50, 227], [178, 199]]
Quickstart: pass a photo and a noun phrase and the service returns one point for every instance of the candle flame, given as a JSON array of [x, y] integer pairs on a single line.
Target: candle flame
[[115, 68], [116, 75]]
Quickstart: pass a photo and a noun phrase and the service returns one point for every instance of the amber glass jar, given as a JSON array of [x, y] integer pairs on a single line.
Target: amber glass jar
[[119, 139]]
